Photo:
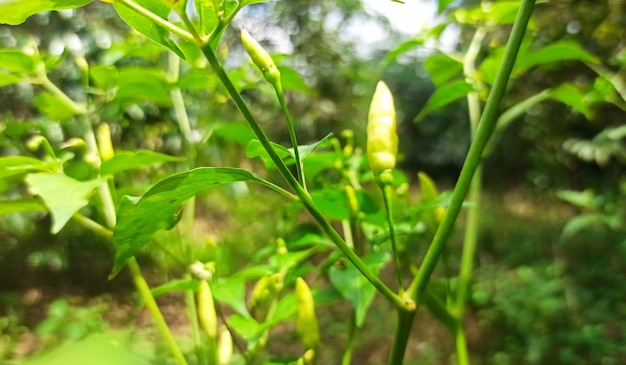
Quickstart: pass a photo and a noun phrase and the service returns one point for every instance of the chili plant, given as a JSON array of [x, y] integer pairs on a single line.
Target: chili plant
[[353, 258]]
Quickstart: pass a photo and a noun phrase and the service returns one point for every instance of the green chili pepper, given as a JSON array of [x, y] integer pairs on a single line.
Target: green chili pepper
[[261, 58], [382, 140], [224, 347], [308, 328], [206, 309]]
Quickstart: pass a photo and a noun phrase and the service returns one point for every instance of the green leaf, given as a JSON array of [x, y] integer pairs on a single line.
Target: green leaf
[[62, 195], [18, 61], [354, 286], [53, 107], [131, 160], [10, 79], [444, 95], [15, 165], [403, 48], [443, 68], [332, 202], [21, 206], [172, 285], [255, 149], [137, 84], [15, 12], [291, 80], [104, 77], [237, 132], [246, 327], [232, 291], [572, 96], [159, 208], [582, 199], [144, 26], [250, 2]]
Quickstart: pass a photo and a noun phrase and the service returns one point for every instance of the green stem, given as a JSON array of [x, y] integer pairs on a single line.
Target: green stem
[[158, 20], [305, 198], [292, 133], [401, 336], [153, 308], [75, 107], [347, 355], [192, 313], [461, 346], [93, 226], [483, 132], [386, 189]]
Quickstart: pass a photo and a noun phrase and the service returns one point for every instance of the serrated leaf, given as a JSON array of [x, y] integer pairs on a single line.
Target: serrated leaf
[[131, 160], [15, 165], [354, 286], [62, 195], [140, 218], [146, 27], [443, 96], [15, 12], [21, 206]]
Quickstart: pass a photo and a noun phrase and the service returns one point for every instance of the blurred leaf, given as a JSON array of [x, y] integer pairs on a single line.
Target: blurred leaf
[[354, 286], [209, 15], [403, 48], [444, 95], [131, 160], [572, 96], [21, 206], [15, 165], [99, 349], [62, 195], [291, 80], [18, 61], [583, 221], [137, 84], [173, 285], [15, 12], [140, 218], [232, 291], [146, 27], [492, 13], [250, 2], [443, 68], [237, 132], [105, 77], [332, 202], [582, 199], [443, 5], [53, 107], [246, 327], [10, 79]]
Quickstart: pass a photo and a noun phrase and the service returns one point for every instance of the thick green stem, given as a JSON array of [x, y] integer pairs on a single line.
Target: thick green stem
[[386, 189], [483, 132], [305, 198], [461, 346], [292, 134], [401, 337], [153, 308]]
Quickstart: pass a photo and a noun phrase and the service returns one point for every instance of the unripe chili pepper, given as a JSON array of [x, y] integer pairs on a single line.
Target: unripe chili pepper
[[382, 140], [105, 146], [224, 347], [308, 328], [261, 58], [206, 309]]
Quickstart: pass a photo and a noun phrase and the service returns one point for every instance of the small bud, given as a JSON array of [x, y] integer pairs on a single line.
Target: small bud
[[382, 140], [308, 328]]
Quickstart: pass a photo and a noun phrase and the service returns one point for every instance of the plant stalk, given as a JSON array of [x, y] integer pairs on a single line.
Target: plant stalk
[[401, 336], [305, 198]]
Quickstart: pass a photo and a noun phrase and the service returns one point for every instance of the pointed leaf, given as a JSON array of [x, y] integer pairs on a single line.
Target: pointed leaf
[[131, 160], [291, 80], [572, 96], [148, 28], [140, 218], [443, 68], [444, 95], [15, 12], [354, 286], [15, 165], [17, 61], [62, 195], [172, 285], [255, 149], [232, 291], [53, 107]]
